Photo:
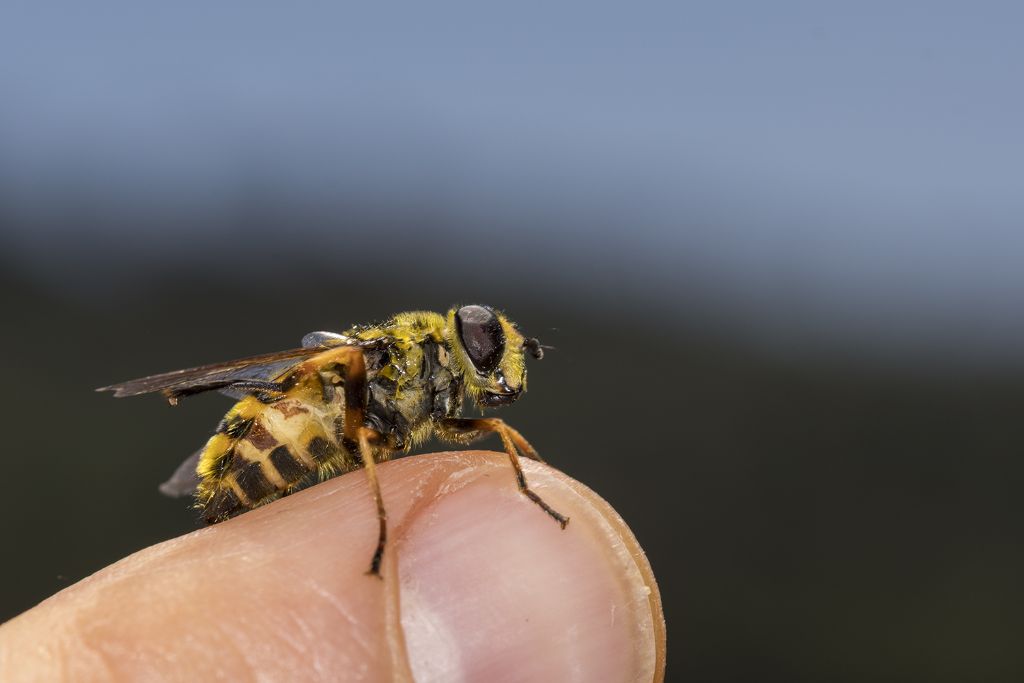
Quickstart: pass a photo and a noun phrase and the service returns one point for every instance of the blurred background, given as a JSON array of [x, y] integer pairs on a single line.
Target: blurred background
[[789, 232]]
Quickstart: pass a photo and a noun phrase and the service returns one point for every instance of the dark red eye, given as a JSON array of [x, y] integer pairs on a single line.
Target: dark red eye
[[482, 337]]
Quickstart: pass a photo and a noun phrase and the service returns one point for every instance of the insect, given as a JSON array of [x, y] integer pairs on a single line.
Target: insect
[[347, 401]]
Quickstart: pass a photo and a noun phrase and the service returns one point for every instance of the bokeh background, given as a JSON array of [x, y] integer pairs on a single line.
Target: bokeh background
[[789, 234]]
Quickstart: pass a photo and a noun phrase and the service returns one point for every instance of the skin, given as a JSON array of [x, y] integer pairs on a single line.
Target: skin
[[489, 588]]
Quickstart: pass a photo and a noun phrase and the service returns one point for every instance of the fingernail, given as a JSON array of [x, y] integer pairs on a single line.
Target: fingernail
[[492, 589]]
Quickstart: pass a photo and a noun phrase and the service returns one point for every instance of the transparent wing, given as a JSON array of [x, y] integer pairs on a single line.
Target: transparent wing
[[235, 377], [313, 340], [215, 376], [255, 372], [327, 339], [184, 480]]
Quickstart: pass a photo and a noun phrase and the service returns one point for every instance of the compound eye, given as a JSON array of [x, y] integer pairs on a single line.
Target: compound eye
[[482, 337]]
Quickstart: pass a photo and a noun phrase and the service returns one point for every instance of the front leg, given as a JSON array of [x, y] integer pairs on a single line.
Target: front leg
[[467, 429]]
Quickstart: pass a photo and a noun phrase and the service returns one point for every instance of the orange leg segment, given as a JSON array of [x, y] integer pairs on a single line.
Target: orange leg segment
[[465, 429]]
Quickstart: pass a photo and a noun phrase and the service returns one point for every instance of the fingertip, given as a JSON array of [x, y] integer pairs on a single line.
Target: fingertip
[[477, 583], [493, 589]]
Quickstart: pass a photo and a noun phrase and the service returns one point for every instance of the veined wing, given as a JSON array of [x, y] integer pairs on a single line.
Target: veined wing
[[314, 340], [245, 380], [214, 376], [250, 373]]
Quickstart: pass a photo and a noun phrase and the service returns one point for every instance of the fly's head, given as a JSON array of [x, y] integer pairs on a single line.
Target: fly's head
[[491, 354]]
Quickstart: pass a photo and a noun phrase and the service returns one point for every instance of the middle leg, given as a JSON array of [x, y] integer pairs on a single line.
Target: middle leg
[[347, 365], [366, 437]]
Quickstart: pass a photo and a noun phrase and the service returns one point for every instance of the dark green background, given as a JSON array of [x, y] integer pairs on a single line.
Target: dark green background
[[817, 519]]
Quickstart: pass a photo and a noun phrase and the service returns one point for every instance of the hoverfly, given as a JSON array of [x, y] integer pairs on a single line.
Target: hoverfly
[[347, 401]]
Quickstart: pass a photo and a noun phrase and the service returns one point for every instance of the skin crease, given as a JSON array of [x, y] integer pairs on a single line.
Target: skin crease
[[478, 584]]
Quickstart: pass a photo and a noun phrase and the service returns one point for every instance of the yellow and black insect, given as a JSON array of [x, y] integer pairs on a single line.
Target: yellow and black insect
[[350, 400]]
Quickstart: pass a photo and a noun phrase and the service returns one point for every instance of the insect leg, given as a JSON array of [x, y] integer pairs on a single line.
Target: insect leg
[[349, 363], [366, 435], [520, 441], [466, 429]]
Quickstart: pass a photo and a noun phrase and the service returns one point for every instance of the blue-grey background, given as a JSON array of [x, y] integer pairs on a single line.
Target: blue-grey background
[[787, 234]]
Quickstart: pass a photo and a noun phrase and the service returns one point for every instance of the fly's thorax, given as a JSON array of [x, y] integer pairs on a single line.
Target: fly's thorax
[[419, 389], [442, 380]]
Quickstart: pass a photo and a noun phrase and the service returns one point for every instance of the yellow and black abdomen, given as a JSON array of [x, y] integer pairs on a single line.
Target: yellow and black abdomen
[[269, 446]]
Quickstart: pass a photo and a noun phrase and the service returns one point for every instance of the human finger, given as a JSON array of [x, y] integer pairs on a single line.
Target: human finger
[[478, 584]]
